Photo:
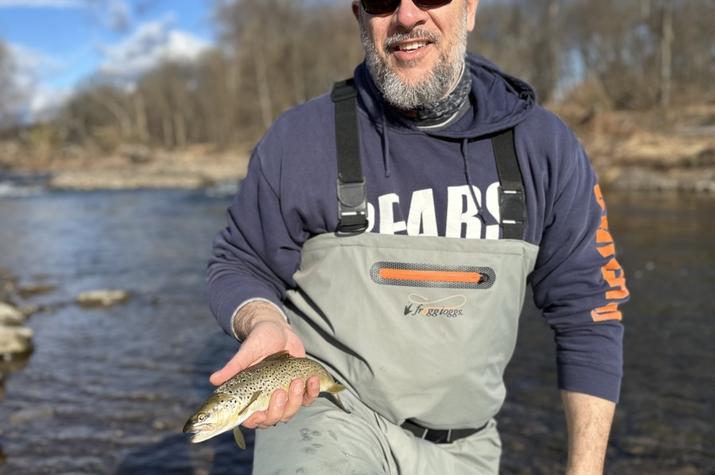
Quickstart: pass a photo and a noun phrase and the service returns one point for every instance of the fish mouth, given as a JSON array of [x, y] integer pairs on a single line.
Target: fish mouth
[[190, 427], [202, 431], [198, 432], [201, 436]]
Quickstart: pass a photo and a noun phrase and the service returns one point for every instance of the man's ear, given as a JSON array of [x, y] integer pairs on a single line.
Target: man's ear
[[356, 9], [472, 6]]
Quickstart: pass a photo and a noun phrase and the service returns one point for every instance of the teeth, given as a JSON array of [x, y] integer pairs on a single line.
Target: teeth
[[412, 46]]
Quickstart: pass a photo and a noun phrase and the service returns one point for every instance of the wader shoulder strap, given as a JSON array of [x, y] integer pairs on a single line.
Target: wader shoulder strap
[[512, 200], [352, 194]]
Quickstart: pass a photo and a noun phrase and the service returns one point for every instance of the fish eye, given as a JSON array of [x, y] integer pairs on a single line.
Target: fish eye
[[202, 417]]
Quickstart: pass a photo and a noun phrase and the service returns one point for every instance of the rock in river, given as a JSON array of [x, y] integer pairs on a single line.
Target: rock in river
[[9, 315], [15, 341], [102, 298]]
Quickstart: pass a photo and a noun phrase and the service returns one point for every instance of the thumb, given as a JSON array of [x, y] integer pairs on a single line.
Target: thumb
[[246, 355]]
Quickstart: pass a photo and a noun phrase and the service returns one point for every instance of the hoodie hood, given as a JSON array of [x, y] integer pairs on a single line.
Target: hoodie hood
[[499, 102]]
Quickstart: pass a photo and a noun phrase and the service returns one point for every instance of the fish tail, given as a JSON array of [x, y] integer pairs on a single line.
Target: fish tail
[[335, 388]]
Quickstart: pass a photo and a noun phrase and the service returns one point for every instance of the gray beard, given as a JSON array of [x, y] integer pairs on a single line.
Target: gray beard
[[434, 87]]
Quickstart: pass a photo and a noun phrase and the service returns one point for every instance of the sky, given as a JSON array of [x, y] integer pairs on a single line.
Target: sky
[[58, 44]]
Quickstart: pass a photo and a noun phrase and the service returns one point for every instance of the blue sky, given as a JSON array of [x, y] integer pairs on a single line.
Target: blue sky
[[56, 44]]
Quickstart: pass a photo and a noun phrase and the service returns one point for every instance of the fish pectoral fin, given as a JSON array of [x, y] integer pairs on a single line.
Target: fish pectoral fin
[[253, 399], [238, 436]]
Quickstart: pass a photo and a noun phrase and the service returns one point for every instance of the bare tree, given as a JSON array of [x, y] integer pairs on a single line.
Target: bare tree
[[272, 54], [666, 52], [9, 92]]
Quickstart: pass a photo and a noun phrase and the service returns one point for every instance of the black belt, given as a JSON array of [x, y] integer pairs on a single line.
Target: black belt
[[437, 436]]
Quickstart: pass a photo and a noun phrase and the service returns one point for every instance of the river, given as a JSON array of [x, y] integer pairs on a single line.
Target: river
[[107, 390]]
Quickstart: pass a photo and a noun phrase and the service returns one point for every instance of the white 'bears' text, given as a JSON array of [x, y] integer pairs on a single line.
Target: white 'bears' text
[[462, 217]]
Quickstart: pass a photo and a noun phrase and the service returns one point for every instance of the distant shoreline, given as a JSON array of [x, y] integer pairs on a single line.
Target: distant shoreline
[[190, 168], [630, 151]]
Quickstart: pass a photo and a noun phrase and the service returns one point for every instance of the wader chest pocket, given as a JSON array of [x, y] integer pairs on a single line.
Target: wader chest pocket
[[432, 276]]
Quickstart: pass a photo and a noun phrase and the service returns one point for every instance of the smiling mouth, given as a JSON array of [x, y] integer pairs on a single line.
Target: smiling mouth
[[408, 46]]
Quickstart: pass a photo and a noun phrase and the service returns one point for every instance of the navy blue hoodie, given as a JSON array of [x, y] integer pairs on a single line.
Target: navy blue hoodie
[[418, 184]]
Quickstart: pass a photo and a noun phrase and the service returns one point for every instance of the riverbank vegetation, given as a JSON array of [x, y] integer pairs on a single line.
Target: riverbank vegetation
[[631, 76]]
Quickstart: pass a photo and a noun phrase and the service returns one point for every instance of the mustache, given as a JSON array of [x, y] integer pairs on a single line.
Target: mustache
[[417, 34]]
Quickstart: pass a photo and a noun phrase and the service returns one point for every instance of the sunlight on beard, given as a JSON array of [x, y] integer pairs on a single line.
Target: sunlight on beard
[[405, 95]]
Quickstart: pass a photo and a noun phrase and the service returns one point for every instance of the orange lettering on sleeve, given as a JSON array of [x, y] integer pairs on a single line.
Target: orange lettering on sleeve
[[611, 272]]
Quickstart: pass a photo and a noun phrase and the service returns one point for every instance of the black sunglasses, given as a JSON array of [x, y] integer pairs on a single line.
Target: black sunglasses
[[383, 7]]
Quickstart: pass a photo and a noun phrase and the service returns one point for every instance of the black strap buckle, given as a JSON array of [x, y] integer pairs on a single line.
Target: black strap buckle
[[512, 200], [512, 206], [352, 207]]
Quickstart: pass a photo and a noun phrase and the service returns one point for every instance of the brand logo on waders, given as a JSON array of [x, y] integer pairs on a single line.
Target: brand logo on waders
[[446, 307]]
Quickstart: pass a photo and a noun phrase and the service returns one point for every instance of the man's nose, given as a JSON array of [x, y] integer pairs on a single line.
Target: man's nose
[[408, 15]]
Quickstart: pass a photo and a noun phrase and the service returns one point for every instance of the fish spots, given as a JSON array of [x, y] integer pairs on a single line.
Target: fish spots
[[250, 390]]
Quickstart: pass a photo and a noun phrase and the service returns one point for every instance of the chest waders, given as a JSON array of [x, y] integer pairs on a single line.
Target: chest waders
[[419, 328]]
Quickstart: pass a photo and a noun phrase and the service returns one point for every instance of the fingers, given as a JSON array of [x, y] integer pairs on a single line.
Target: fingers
[[231, 368], [312, 389], [295, 399], [238, 362], [266, 337], [272, 415], [245, 356], [284, 405], [257, 346]]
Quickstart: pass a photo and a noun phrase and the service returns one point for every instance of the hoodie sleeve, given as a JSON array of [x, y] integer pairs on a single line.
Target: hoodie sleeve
[[255, 256], [577, 281]]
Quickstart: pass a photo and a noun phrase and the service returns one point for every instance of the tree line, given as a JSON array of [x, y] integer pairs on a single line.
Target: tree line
[[272, 54]]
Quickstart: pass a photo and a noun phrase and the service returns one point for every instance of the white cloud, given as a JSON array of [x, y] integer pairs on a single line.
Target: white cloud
[[44, 3], [38, 100], [149, 45], [30, 64], [45, 101]]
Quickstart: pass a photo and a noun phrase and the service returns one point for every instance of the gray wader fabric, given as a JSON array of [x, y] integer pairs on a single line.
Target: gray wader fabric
[[417, 328], [322, 439]]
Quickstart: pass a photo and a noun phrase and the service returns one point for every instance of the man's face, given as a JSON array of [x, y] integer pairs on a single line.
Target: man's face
[[415, 55]]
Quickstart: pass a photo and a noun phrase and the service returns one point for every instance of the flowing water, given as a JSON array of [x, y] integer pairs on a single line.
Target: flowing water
[[107, 390]]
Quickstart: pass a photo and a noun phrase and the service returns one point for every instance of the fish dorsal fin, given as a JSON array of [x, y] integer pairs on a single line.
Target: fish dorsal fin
[[281, 355], [255, 396]]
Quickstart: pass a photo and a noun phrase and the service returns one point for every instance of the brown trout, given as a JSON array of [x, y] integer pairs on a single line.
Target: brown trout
[[250, 391]]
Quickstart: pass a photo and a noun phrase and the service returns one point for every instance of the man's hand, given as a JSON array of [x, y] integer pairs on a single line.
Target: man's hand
[[265, 332], [589, 422]]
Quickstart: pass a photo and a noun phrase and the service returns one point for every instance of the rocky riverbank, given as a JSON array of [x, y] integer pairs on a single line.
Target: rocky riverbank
[[637, 151], [16, 337], [671, 150], [128, 167]]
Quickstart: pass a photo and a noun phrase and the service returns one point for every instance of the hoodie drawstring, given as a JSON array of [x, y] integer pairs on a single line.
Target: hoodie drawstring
[[468, 176], [385, 142]]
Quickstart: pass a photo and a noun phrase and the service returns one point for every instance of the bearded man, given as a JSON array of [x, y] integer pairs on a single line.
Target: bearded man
[[389, 229]]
